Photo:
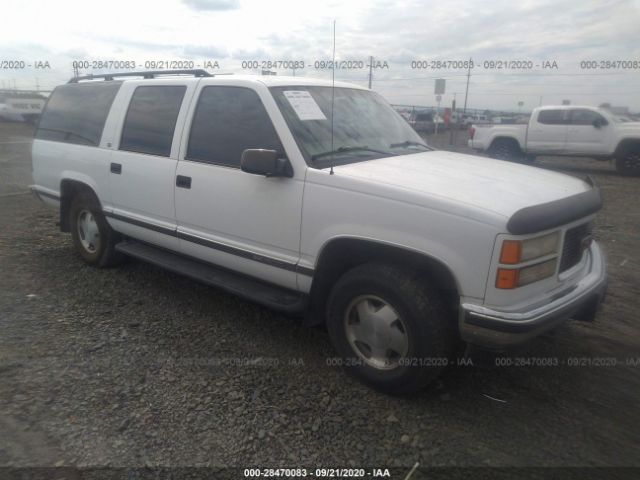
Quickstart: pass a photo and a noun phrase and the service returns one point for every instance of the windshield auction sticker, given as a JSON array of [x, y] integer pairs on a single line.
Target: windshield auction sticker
[[304, 105]]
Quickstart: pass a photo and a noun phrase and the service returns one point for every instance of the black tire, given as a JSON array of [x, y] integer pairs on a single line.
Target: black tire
[[628, 163], [102, 253], [423, 317], [506, 149]]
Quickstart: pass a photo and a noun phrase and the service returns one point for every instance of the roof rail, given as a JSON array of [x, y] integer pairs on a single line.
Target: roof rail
[[148, 74]]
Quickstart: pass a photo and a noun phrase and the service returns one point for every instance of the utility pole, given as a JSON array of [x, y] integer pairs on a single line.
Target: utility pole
[[466, 93], [453, 122], [370, 71]]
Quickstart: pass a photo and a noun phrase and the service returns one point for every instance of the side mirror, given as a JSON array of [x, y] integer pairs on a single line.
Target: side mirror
[[598, 123], [265, 162]]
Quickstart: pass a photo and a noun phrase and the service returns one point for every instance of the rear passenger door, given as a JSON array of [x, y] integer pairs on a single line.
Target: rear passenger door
[[548, 132], [244, 222], [143, 164]]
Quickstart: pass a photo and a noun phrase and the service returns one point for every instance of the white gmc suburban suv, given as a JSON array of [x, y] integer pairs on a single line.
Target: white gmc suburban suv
[[321, 201]]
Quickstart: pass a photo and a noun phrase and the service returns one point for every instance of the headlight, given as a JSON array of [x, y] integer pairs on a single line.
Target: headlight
[[515, 252], [518, 251], [536, 272], [509, 278]]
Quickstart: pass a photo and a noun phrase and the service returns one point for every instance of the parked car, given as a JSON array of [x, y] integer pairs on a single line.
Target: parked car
[[564, 130], [459, 121], [241, 182], [423, 122], [505, 120], [17, 107], [476, 119]]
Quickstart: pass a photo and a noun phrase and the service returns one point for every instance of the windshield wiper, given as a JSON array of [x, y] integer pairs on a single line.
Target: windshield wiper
[[344, 149], [409, 143]]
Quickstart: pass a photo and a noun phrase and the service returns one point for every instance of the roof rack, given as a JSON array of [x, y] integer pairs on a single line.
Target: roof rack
[[148, 74]]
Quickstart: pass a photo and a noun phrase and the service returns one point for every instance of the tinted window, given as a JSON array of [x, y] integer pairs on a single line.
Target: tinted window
[[229, 120], [424, 117], [151, 119], [583, 116], [553, 117], [76, 113]]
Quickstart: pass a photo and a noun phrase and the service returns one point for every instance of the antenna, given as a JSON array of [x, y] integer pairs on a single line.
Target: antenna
[[333, 89]]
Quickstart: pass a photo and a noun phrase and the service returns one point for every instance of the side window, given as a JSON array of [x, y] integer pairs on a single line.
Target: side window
[[151, 119], [582, 116], [227, 121], [76, 112], [552, 117]]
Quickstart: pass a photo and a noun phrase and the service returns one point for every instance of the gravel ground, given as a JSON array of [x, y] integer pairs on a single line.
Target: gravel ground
[[139, 367]]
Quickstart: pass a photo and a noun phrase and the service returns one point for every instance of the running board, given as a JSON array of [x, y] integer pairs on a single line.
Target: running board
[[272, 296]]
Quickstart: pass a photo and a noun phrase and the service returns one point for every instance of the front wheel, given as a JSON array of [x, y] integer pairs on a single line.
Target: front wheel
[[389, 327]]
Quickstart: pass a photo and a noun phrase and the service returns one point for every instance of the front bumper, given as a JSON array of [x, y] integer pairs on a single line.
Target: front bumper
[[493, 328]]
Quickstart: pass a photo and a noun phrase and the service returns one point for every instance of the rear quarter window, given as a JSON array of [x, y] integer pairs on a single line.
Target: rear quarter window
[[76, 113]]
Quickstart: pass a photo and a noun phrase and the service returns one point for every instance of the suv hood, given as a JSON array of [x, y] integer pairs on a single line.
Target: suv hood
[[465, 182]]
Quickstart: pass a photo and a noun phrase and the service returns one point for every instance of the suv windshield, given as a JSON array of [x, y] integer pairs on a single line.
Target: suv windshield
[[365, 126]]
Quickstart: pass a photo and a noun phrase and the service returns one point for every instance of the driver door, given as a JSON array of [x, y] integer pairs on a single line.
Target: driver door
[[244, 222], [588, 133]]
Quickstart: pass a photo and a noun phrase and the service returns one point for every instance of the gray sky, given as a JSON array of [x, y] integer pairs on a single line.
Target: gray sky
[[398, 32]]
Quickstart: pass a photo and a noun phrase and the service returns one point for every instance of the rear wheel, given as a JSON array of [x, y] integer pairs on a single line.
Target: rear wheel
[[92, 237], [506, 149], [389, 327], [628, 163]]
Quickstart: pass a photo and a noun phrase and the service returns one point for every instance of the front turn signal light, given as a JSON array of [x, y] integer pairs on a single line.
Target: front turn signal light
[[507, 278], [511, 252]]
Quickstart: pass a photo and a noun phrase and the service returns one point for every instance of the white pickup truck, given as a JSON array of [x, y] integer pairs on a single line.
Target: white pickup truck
[[564, 131], [320, 200]]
